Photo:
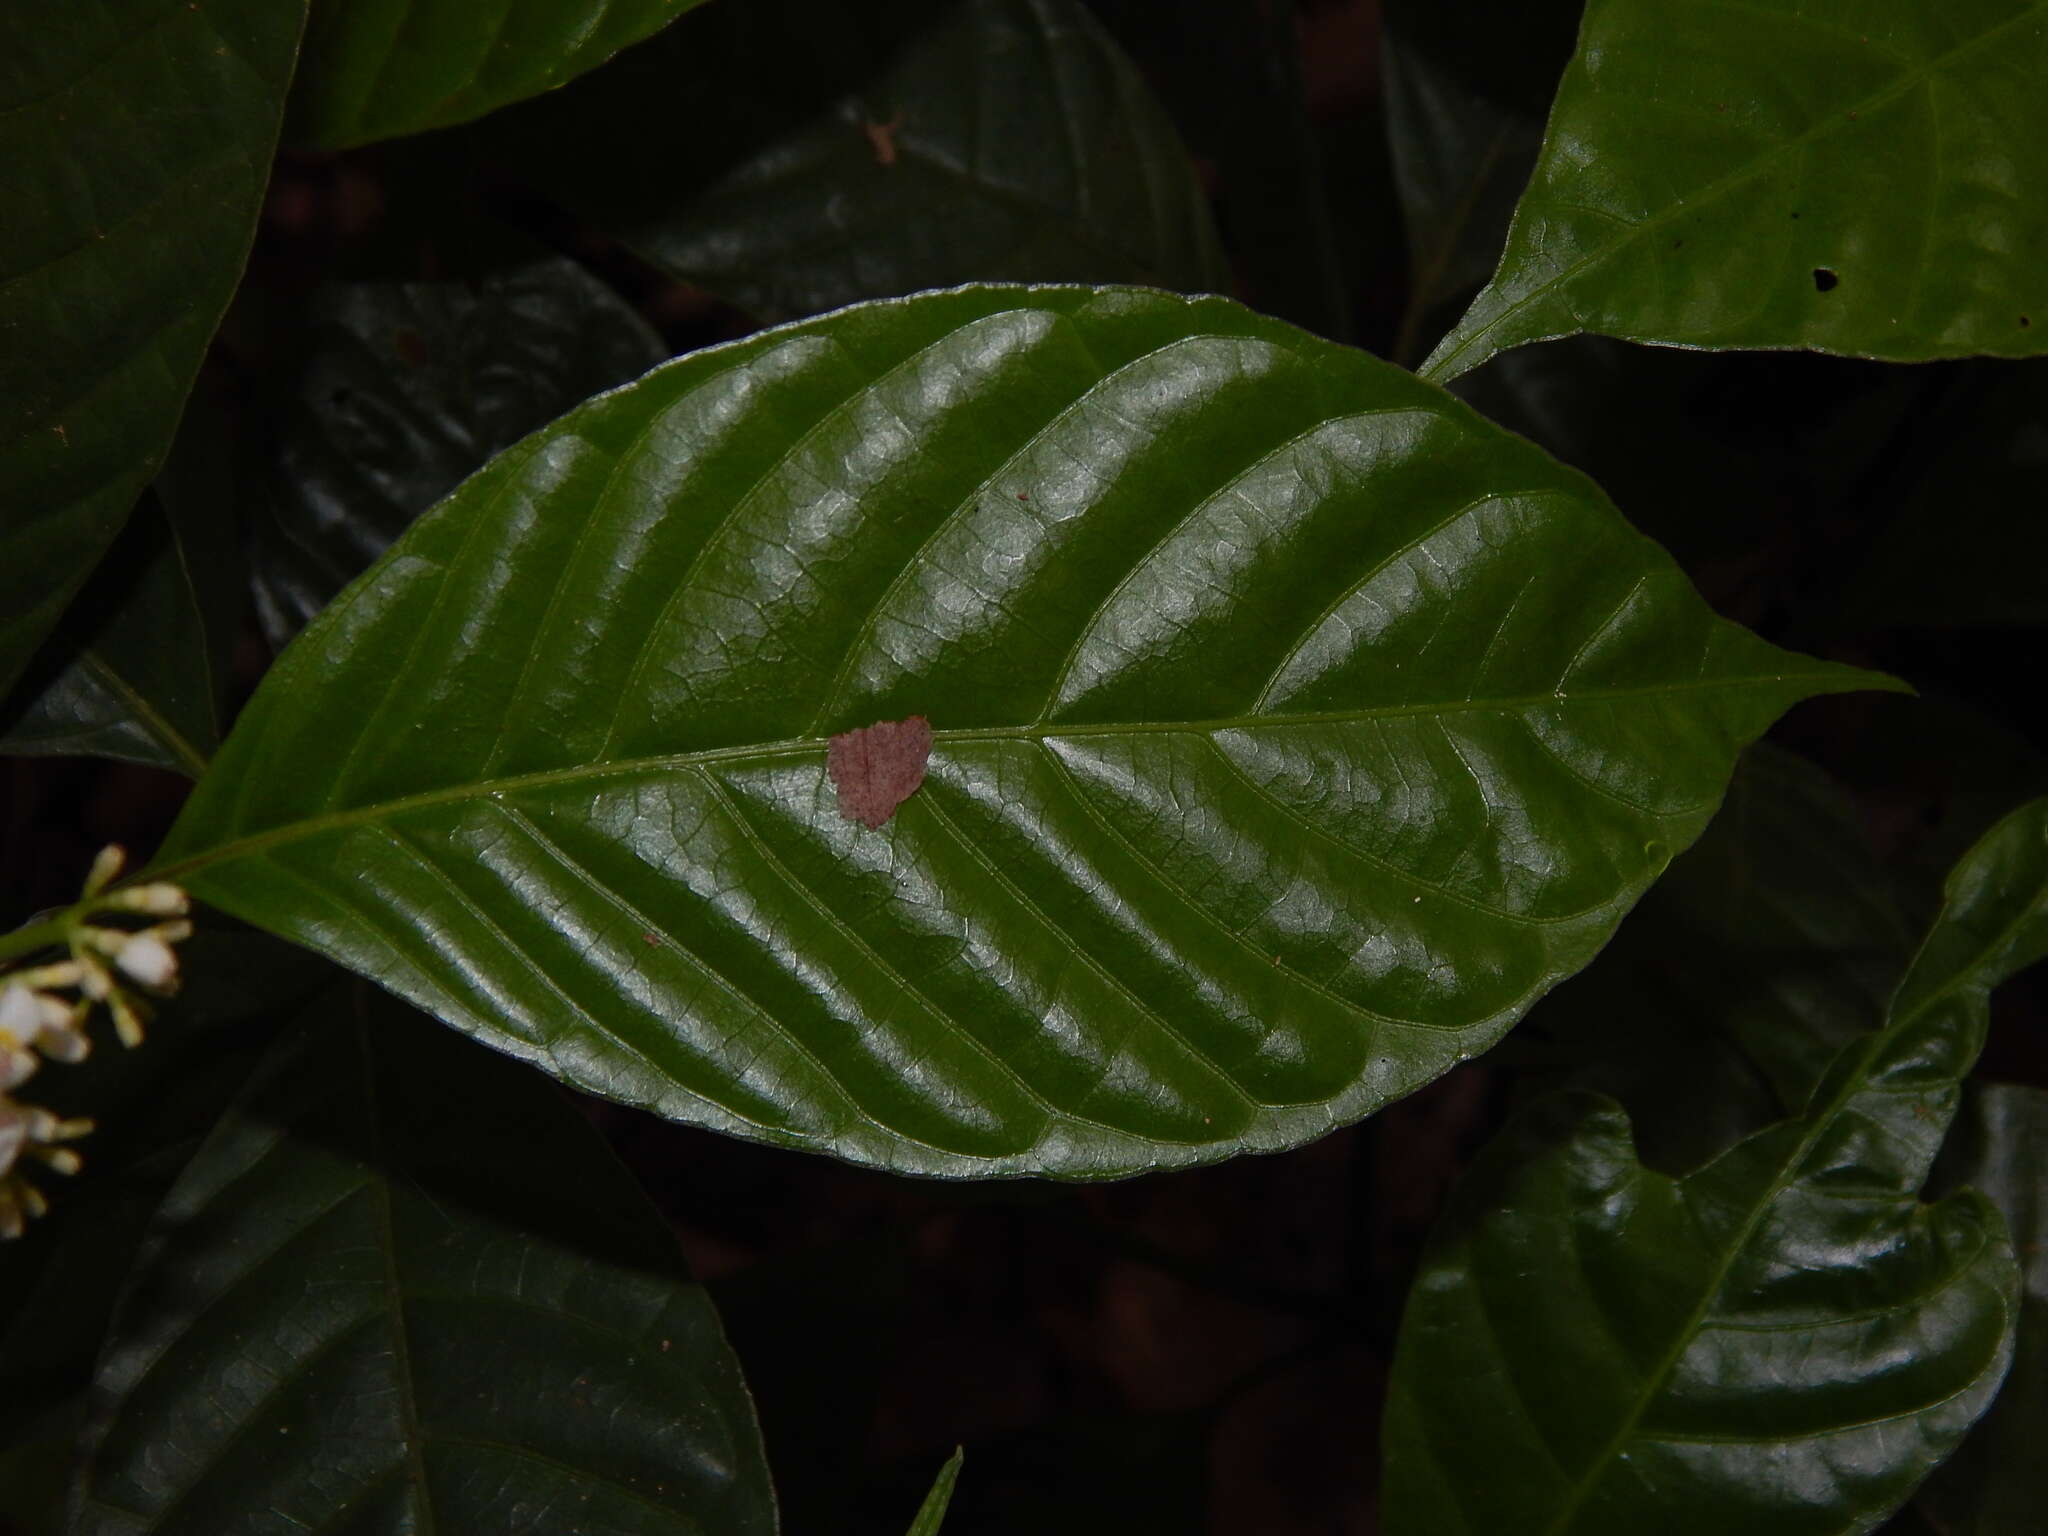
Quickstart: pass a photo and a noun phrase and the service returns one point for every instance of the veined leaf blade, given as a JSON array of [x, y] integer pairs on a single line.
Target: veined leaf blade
[[1294, 730]]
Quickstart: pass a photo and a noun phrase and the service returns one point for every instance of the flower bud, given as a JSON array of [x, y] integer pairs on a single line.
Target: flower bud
[[147, 959]]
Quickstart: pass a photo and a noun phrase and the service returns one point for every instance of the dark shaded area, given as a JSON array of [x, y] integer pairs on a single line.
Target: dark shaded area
[[1201, 1351]]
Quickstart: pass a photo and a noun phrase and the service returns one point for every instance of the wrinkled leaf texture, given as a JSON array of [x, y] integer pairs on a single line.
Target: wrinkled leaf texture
[[404, 1286], [1785, 1341], [1009, 140], [1867, 177], [402, 390], [1993, 1486], [135, 137], [1294, 730], [376, 69]]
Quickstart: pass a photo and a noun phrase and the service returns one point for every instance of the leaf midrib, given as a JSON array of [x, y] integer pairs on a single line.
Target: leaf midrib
[[1853, 1084], [1040, 732], [1438, 372]]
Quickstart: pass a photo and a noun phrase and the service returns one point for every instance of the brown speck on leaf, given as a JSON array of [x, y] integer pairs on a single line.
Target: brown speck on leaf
[[878, 767], [883, 137]]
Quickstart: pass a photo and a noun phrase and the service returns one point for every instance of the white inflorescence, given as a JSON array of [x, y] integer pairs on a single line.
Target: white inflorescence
[[39, 1022]]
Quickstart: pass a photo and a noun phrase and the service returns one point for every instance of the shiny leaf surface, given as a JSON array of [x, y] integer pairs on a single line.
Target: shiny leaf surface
[[1993, 1486], [1010, 140], [136, 138], [404, 389], [1858, 176], [932, 1515], [375, 69], [403, 1286], [1293, 731], [1785, 1341]]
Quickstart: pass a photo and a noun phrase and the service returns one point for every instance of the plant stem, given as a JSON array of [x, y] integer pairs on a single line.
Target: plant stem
[[51, 933]]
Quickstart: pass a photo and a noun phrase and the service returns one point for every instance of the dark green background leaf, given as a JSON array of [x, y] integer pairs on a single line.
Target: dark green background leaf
[[1296, 730], [1994, 1486], [1770, 944], [1007, 140], [136, 138], [1461, 159], [404, 1286], [1859, 176], [375, 69], [1968, 543], [401, 390], [1785, 1341], [140, 668]]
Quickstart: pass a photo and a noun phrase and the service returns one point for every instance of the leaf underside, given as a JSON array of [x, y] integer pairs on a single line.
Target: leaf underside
[[1868, 177], [1293, 730], [1784, 1342]]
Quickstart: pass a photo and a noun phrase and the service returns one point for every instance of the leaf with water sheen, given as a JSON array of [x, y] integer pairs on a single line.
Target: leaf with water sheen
[[135, 137], [1293, 730], [1867, 177], [375, 69], [1785, 1341], [404, 1286], [1993, 1485]]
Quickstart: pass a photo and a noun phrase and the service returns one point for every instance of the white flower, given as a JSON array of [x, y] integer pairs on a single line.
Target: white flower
[[146, 958]]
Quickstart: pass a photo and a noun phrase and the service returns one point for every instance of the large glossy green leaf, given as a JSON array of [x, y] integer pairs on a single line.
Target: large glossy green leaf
[[401, 390], [404, 1286], [1009, 140], [1785, 1341], [1859, 176], [375, 69], [1294, 731], [135, 137], [1993, 1486]]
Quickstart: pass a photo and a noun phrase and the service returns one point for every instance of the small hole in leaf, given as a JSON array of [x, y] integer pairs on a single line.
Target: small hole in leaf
[[1824, 279], [2025, 321]]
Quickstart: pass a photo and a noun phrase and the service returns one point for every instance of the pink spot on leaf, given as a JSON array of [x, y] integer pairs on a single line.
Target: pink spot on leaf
[[878, 767]]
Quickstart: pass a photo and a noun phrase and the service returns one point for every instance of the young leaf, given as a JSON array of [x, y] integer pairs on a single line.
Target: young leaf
[[933, 170], [1868, 178], [376, 69], [404, 1286], [403, 390], [1292, 731], [1785, 1341], [1993, 1486], [932, 1514], [137, 139]]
